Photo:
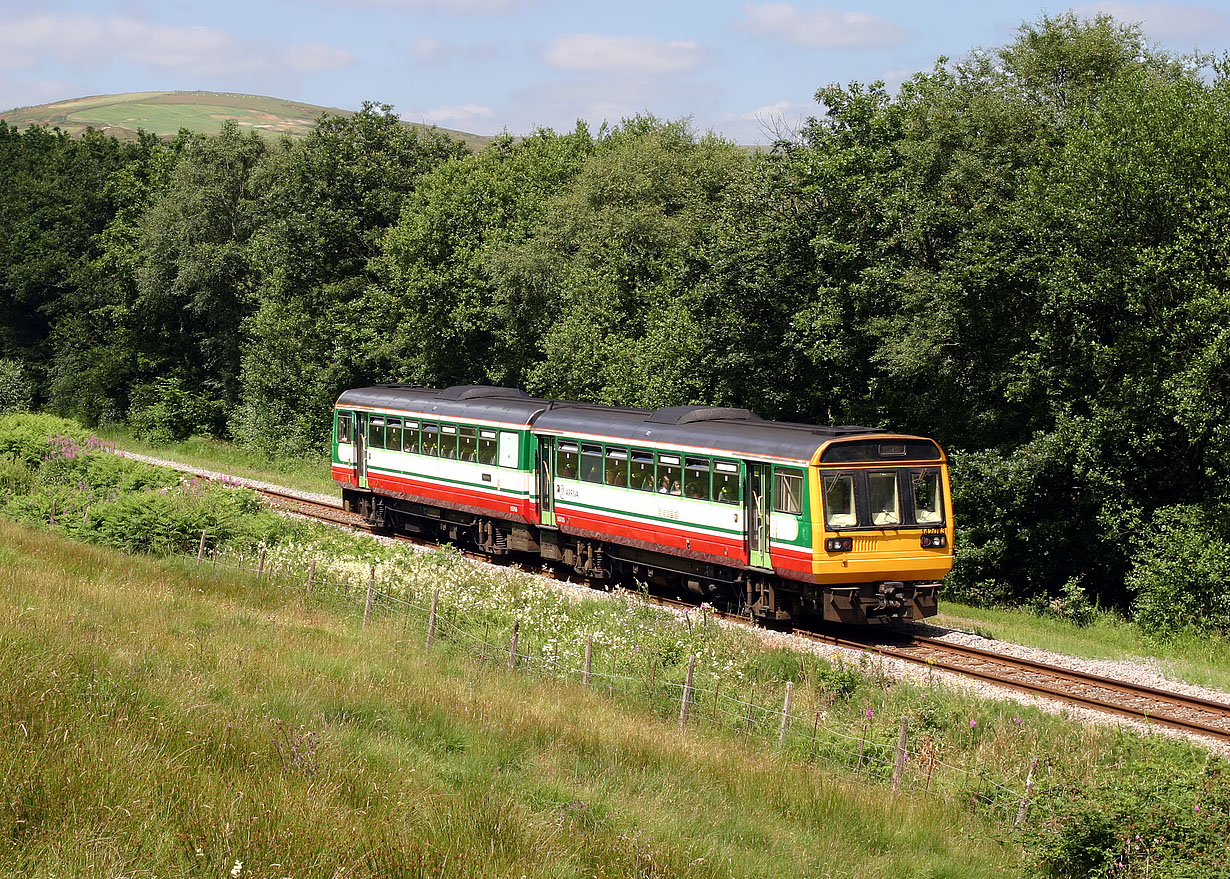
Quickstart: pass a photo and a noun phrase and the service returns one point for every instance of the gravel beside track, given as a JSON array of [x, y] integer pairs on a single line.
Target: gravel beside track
[[1142, 671]]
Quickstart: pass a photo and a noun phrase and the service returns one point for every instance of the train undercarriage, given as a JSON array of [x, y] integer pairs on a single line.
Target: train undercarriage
[[769, 599]]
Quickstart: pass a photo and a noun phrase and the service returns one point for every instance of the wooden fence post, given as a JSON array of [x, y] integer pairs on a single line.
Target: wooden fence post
[[311, 577], [260, 567], [781, 736], [512, 647], [200, 550], [899, 764], [431, 620], [589, 656], [1023, 810], [686, 703], [371, 588]]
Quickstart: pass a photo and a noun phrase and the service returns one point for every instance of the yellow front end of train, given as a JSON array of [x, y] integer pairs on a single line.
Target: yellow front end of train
[[882, 527]]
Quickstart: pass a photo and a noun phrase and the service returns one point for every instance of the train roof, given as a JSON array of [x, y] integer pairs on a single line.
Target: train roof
[[506, 405], [735, 432]]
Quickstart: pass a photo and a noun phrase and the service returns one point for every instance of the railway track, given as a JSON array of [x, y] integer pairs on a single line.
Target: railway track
[[1121, 698]]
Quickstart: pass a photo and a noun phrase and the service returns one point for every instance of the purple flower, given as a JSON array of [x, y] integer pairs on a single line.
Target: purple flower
[[973, 724]]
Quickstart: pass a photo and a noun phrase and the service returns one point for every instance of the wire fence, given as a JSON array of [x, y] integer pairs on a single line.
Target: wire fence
[[909, 761]]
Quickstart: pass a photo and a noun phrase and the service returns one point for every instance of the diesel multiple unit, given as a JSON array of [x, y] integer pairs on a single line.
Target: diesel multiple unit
[[784, 520]]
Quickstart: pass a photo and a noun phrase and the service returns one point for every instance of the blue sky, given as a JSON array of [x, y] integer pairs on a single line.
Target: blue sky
[[743, 69]]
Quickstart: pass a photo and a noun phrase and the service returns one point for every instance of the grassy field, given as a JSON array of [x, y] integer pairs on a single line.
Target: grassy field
[[159, 719], [165, 113]]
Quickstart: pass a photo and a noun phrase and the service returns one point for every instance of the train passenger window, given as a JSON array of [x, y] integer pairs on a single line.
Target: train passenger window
[[839, 501], [788, 491], [344, 422], [448, 441], [410, 437], [669, 473], [375, 432], [882, 496], [431, 438], [510, 449], [616, 467], [591, 463], [567, 461], [726, 482], [467, 444], [487, 447], [926, 485], [696, 479], [392, 433], [642, 470]]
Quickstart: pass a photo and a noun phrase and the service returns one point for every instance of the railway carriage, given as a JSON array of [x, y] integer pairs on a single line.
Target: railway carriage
[[851, 524]]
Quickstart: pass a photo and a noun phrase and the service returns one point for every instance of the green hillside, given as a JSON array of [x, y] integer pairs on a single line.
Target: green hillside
[[165, 113]]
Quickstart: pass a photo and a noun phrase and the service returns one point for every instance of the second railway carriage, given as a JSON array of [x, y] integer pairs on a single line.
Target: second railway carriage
[[849, 523]]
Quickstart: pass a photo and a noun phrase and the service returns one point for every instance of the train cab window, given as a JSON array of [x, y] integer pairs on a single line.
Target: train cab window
[[591, 464], [669, 474], [788, 491], [567, 461], [726, 482], [344, 422], [696, 479], [467, 444], [839, 501], [431, 438], [616, 467], [375, 432], [926, 486], [488, 447], [392, 434], [448, 441], [642, 470], [410, 437], [882, 498]]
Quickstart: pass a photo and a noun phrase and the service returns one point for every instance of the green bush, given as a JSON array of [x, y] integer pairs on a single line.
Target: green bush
[[1181, 575], [164, 412], [26, 436], [15, 392]]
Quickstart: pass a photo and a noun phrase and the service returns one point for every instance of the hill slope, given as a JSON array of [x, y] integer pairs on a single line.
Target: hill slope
[[165, 113]]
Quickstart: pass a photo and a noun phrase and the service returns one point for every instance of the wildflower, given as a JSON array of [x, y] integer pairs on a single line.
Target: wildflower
[[973, 724], [870, 714], [237, 869]]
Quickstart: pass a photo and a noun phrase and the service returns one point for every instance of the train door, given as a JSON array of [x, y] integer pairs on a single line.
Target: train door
[[360, 448], [546, 481], [755, 496]]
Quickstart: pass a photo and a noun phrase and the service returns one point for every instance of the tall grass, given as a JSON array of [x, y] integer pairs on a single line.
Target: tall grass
[[161, 721]]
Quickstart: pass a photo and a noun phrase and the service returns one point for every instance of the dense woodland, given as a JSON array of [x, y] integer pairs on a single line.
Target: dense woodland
[[1023, 253]]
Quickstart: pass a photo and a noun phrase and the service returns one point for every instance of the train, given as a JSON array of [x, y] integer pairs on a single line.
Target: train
[[778, 520]]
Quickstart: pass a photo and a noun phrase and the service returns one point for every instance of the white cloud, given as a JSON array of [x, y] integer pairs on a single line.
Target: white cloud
[[82, 38], [612, 54], [453, 117], [1164, 20], [821, 28]]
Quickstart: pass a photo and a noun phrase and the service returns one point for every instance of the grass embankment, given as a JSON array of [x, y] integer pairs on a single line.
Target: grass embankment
[[1197, 660], [305, 474], [161, 719]]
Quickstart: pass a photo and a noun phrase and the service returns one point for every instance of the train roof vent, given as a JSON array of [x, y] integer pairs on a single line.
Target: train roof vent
[[472, 392], [692, 414]]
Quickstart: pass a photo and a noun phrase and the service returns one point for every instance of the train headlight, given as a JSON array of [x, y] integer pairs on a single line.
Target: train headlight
[[838, 544], [933, 541]]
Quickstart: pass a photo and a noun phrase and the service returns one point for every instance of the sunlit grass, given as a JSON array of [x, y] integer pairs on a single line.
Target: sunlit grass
[[156, 718], [306, 474]]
